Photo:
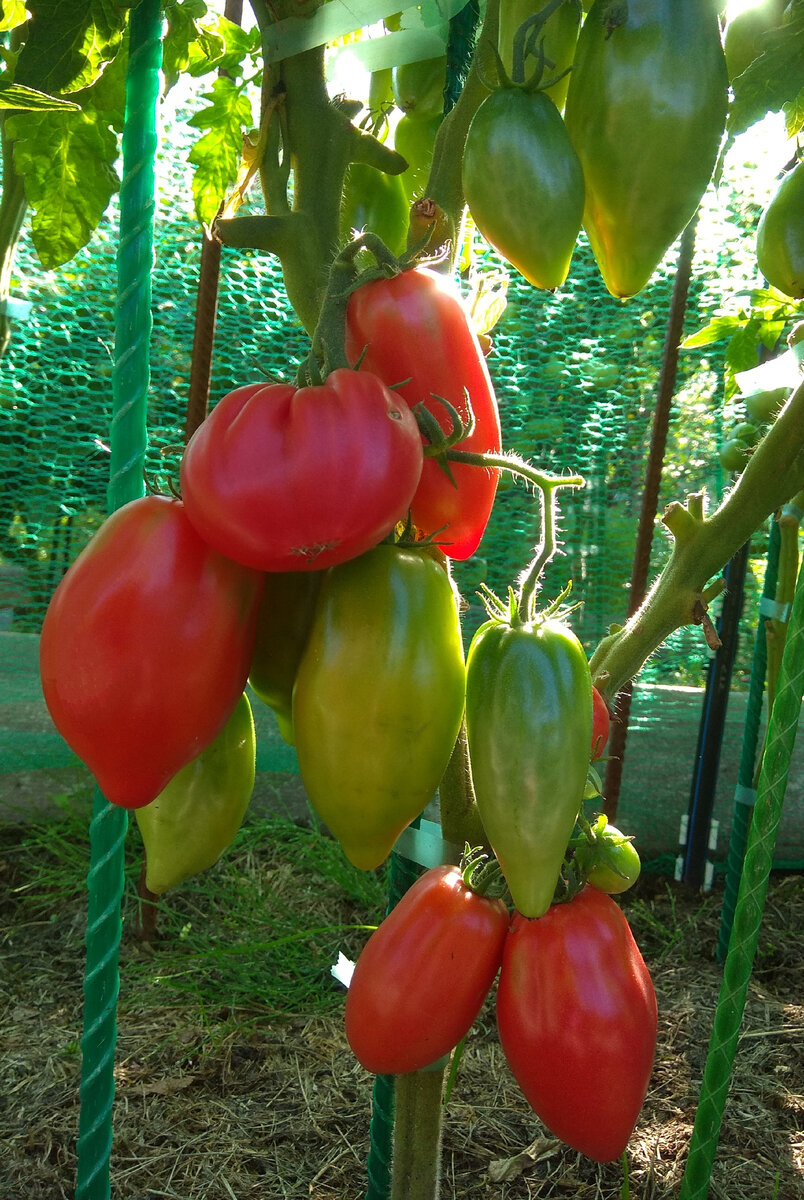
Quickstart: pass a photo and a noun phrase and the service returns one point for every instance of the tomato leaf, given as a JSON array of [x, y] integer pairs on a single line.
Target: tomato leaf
[[12, 14], [67, 159], [718, 330], [742, 350], [69, 42], [216, 154], [774, 79], [25, 99], [794, 115], [198, 41]]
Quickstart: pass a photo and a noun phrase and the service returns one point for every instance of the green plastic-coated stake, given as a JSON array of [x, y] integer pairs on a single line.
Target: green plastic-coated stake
[[741, 816], [128, 440], [750, 903]]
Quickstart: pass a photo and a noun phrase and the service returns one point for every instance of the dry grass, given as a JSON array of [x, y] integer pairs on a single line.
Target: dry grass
[[234, 1079]]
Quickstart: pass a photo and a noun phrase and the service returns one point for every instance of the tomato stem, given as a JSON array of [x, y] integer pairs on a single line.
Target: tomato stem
[[525, 39], [702, 546]]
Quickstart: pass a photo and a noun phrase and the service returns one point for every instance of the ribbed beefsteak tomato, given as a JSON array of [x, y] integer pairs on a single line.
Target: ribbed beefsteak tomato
[[282, 478]]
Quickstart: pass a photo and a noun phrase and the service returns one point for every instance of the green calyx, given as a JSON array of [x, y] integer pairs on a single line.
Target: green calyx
[[482, 874]]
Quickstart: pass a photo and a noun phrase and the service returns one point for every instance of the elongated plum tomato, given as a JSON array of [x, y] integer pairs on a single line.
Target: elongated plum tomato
[[145, 648], [379, 696], [423, 975], [195, 818], [282, 478], [523, 183], [577, 1019], [414, 332], [646, 108]]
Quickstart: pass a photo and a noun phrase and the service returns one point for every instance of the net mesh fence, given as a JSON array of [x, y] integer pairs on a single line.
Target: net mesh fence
[[576, 373]]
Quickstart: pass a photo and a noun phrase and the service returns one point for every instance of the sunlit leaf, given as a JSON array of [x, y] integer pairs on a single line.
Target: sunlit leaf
[[69, 42], [774, 79], [216, 155], [67, 160], [25, 99]]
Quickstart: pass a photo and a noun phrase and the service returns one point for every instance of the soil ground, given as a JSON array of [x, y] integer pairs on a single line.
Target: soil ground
[[234, 1078]]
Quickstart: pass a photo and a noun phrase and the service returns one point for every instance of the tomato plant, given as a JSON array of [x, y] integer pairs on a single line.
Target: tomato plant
[[145, 648], [283, 478], [379, 696], [402, 326], [577, 1019], [422, 977]]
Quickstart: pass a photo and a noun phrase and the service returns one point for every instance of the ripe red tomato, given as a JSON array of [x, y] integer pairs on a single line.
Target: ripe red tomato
[[282, 478], [601, 724], [577, 1019], [413, 328], [146, 647], [423, 975]]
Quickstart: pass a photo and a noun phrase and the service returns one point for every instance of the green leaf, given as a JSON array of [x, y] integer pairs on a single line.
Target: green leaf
[[718, 330], [794, 115], [774, 79], [216, 155], [69, 42], [182, 30], [25, 99], [108, 93], [222, 47], [742, 352], [12, 14], [67, 161], [198, 42]]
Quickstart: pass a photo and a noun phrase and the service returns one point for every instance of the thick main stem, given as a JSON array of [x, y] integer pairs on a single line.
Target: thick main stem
[[417, 1136]]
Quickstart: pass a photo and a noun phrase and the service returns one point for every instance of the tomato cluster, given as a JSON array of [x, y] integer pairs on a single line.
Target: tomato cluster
[[271, 568], [644, 108], [576, 1009]]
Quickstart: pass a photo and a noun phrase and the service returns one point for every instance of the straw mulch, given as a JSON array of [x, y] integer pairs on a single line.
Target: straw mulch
[[249, 1103]]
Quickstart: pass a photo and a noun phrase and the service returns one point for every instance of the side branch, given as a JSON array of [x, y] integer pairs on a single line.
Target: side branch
[[703, 546]]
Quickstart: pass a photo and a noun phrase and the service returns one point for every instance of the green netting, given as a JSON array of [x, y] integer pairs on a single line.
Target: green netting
[[576, 374]]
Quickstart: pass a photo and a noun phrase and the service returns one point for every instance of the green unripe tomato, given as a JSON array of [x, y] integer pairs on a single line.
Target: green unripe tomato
[[559, 36], [746, 433], [617, 864], [733, 455], [414, 139], [194, 819], [418, 87], [764, 406], [523, 183], [780, 236]]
